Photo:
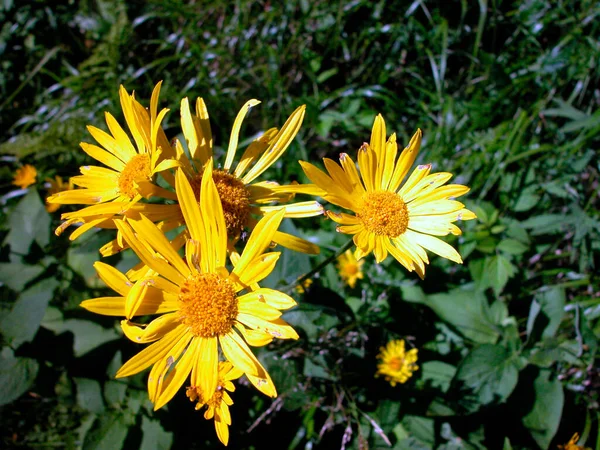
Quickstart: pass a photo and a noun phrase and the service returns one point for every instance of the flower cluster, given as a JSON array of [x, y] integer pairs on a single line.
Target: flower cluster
[[201, 285]]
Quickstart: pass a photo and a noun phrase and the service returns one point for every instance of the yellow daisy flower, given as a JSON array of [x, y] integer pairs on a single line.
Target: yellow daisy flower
[[201, 304], [397, 365], [243, 198], [349, 268], [572, 444], [401, 220], [130, 170], [25, 176], [219, 401], [55, 186]]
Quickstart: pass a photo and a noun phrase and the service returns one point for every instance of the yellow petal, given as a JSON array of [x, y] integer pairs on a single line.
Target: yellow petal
[[113, 278], [154, 352], [406, 160], [151, 234], [280, 143], [205, 370], [153, 331], [239, 354], [107, 306], [177, 376], [263, 384], [222, 431], [235, 132], [257, 270], [434, 245], [135, 298], [277, 328], [295, 243], [214, 252], [259, 240], [151, 260]]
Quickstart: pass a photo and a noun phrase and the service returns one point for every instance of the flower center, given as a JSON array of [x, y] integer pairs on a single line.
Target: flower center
[[208, 305], [235, 199], [384, 213], [137, 169], [396, 363]]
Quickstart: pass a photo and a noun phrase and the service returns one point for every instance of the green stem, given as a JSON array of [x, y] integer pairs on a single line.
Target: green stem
[[320, 266]]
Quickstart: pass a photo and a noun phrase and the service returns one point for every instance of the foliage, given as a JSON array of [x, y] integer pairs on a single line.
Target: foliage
[[506, 95]]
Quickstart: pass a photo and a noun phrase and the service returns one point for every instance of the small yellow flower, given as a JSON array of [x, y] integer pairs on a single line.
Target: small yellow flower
[[350, 269], [397, 365], [25, 176], [57, 185], [217, 405], [572, 444], [301, 288]]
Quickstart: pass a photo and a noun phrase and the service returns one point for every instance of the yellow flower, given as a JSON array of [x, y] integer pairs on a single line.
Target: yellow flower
[[572, 444], [397, 365], [25, 176], [219, 401], [388, 218], [202, 306], [57, 185], [243, 198], [349, 268], [130, 170], [301, 288]]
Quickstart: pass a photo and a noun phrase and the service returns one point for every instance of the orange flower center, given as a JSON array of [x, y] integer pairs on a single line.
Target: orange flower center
[[396, 363], [235, 199], [137, 169], [351, 269], [208, 305], [384, 213]]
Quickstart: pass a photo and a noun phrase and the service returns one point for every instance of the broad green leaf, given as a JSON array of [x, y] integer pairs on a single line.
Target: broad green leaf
[[107, 433], [87, 335], [489, 372], [512, 246], [552, 304], [498, 270], [89, 395], [114, 392], [438, 374], [543, 419], [23, 321], [28, 222], [16, 274], [420, 428], [16, 375], [468, 312], [155, 438]]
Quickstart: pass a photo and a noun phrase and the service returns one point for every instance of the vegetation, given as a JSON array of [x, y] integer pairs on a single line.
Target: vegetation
[[506, 93]]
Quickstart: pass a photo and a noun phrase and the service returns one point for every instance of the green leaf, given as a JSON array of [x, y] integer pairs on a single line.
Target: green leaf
[[107, 433], [87, 335], [420, 428], [498, 270], [115, 392], [155, 438], [512, 246], [544, 418], [23, 321], [468, 312], [16, 274], [16, 375], [438, 374], [28, 222], [489, 372], [89, 395]]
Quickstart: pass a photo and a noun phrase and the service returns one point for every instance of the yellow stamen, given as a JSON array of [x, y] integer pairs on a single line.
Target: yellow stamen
[[384, 213], [208, 305], [137, 169], [235, 199]]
